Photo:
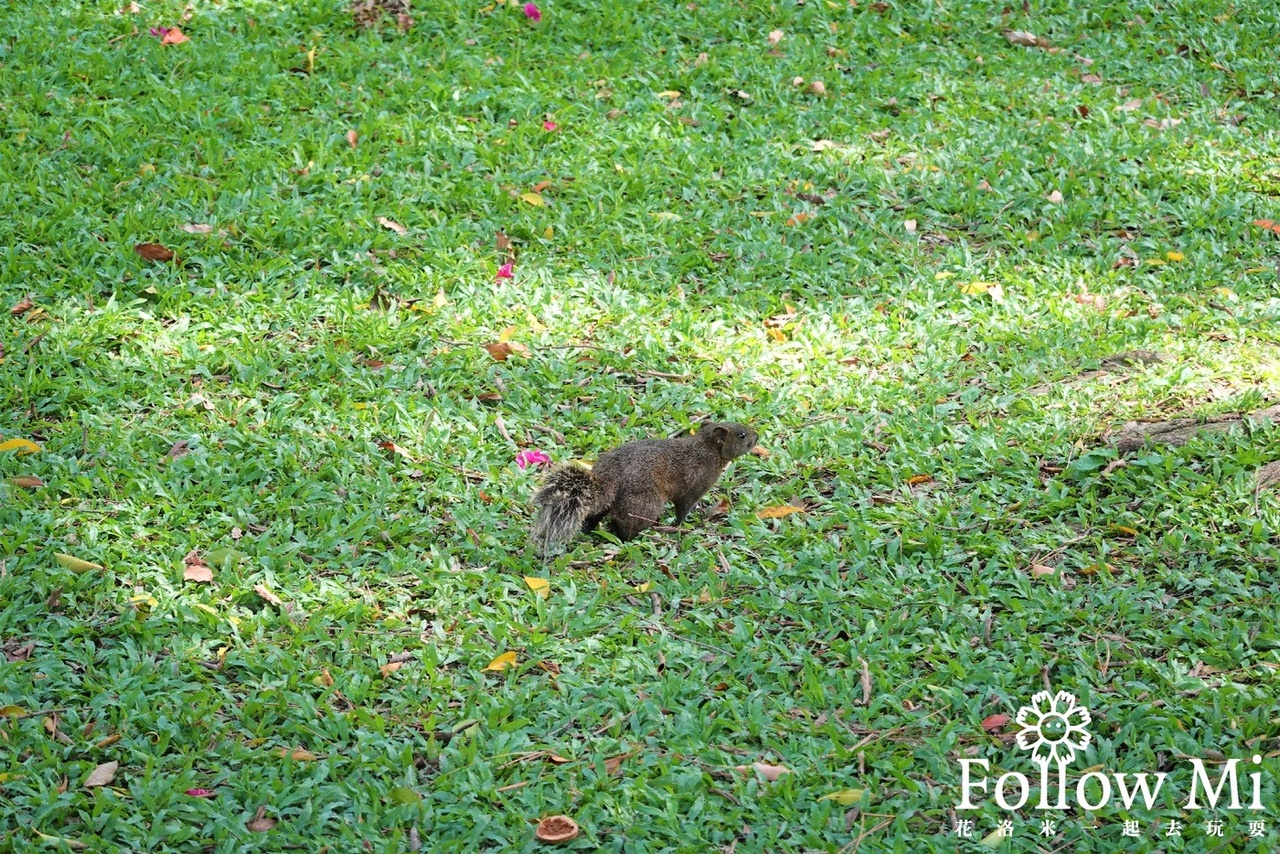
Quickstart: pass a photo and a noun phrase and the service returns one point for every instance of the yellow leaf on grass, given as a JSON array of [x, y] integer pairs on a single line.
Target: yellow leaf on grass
[[1225, 293], [12, 711], [975, 288], [59, 841], [844, 797], [667, 216], [943, 274], [540, 586], [501, 663], [22, 446], [670, 94], [779, 511], [75, 564], [534, 199], [1174, 256], [777, 335], [916, 480], [644, 588], [297, 754]]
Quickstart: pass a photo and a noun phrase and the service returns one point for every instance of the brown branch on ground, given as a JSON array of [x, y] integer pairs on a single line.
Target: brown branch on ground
[[1137, 434]]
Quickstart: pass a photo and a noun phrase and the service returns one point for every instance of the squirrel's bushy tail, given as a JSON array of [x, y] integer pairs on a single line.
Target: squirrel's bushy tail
[[564, 501]]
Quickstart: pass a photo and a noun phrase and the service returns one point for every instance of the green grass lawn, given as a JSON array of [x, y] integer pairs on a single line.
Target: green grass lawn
[[908, 281]]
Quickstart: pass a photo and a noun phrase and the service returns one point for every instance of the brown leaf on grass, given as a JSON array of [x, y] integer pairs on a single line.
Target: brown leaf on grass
[[1054, 198], [499, 350], [153, 252], [197, 228], [764, 769], [995, 723], [261, 822], [556, 829], [353, 138], [195, 568], [1039, 570], [613, 764], [1090, 78], [174, 36], [1130, 106], [776, 36], [866, 682], [297, 754], [1023, 38], [102, 775], [267, 595], [761, 452], [779, 511], [390, 667], [392, 225], [1268, 224], [404, 23], [177, 449], [26, 481], [22, 307], [916, 480], [396, 449]]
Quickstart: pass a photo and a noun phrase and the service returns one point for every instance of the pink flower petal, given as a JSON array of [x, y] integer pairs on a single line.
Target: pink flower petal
[[524, 459], [201, 793], [549, 125], [159, 32], [506, 271], [532, 12]]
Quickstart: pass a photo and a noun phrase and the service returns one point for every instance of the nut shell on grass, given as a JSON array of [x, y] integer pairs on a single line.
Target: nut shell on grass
[[557, 829]]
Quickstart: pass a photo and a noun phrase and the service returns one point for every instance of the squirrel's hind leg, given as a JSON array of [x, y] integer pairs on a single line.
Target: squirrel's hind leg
[[635, 513]]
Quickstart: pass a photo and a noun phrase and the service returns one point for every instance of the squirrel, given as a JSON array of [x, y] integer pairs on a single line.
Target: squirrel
[[633, 483]]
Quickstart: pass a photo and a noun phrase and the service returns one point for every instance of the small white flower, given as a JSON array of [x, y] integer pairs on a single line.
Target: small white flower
[[1053, 728]]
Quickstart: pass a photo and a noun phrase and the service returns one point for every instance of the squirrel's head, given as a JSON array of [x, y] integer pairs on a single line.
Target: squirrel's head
[[730, 439]]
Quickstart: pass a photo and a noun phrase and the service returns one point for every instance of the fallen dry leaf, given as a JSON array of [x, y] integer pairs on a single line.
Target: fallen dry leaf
[[297, 754], [353, 138], [1054, 198], [22, 307], [75, 564], [817, 87], [177, 449], [390, 667], [396, 449], [261, 822], [1039, 570], [102, 775], [995, 723], [197, 572], [916, 480], [501, 663], [1268, 224], [1090, 78], [1024, 38], [779, 511], [910, 226], [764, 769], [26, 481], [261, 590], [174, 36], [500, 350], [153, 252], [1130, 106], [393, 225], [776, 36], [555, 829], [197, 228]]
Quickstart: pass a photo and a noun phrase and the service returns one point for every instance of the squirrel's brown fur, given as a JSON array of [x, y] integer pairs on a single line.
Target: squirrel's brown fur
[[633, 483]]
